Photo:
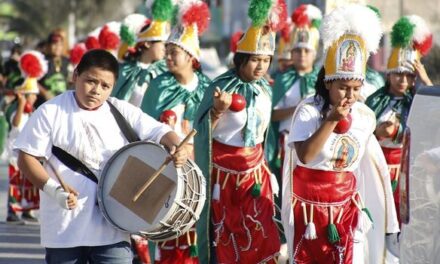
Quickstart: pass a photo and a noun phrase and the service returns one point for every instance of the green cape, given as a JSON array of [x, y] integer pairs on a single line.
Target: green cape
[[131, 74], [380, 100], [229, 82], [165, 93], [374, 78]]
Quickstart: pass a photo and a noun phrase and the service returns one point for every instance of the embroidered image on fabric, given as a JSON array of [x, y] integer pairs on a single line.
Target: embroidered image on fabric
[[349, 56], [345, 153], [266, 41], [303, 36], [406, 56]]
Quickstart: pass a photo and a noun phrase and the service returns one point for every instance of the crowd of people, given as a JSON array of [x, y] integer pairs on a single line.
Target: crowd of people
[[300, 161]]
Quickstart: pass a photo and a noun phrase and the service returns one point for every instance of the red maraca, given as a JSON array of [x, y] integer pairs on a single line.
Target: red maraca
[[28, 108], [238, 103], [168, 117], [343, 125]]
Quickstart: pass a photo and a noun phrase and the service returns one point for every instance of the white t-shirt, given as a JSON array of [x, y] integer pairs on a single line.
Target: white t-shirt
[[180, 109], [390, 114], [92, 137], [341, 152], [290, 99], [231, 124]]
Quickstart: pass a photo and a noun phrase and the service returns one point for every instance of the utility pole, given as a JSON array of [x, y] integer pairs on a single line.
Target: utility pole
[[72, 21]]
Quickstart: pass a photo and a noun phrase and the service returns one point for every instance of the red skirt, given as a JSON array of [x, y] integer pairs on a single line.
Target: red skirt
[[23, 196], [243, 218], [330, 196]]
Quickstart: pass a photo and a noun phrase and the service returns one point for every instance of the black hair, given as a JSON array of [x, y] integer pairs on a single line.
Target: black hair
[[322, 92], [241, 59], [98, 58], [17, 48]]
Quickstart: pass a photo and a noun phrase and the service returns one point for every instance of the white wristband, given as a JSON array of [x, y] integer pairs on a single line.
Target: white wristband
[[54, 190]]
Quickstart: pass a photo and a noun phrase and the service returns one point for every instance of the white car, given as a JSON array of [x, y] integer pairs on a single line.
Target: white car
[[420, 181]]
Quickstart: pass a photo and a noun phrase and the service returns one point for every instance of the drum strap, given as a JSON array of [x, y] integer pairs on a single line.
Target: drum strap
[[74, 164]]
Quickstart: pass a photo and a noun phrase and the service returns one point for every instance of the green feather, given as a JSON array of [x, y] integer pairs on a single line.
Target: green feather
[[376, 10], [127, 36], [402, 32], [175, 15], [316, 23], [259, 11], [162, 10]]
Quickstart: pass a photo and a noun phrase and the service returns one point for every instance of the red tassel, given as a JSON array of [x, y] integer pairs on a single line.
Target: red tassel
[[107, 39], [31, 66], [199, 14], [234, 41], [425, 46], [278, 16], [77, 52], [92, 43]]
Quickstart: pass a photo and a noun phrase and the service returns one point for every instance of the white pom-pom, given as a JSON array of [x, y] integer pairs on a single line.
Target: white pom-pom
[[313, 12], [274, 184], [355, 19], [364, 223], [310, 233], [421, 30]]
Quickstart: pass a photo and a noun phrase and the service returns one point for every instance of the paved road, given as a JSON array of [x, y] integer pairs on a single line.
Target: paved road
[[19, 244]]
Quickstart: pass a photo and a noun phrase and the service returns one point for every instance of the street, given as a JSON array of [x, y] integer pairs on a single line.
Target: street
[[19, 244]]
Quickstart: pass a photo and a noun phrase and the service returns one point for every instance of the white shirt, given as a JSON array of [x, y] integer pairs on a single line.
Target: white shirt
[[92, 137], [341, 152], [180, 109], [390, 115], [229, 129], [290, 99]]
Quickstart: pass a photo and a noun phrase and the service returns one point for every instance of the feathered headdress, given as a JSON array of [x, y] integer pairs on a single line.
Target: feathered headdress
[[92, 41], [109, 36], [306, 20], [284, 41], [192, 20], [159, 28], [33, 66], [77, 52], [130, 27], [349, 34], [411, 39], [268, 17]]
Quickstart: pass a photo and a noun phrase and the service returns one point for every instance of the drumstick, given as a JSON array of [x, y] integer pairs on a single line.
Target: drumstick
[[162, 167], [63, 184]]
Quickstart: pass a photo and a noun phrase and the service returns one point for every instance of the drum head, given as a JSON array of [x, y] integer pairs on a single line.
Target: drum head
[[116, 190]]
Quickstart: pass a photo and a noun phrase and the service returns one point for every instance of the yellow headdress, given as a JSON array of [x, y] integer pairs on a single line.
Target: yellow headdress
[[411, 39], [159, 28], [130, 27], [268, 16], [349, 33], [192, 20], [306, 20]]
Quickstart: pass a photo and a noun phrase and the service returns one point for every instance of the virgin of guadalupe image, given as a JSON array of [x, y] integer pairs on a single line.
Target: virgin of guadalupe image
[[349, 58], [344, 155], [266, 41], [303, 36]]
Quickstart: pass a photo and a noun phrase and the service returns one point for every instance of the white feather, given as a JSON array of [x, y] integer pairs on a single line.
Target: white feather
[[421, 30], [114, 27], [313, 12], [355, 19], [134, 22]]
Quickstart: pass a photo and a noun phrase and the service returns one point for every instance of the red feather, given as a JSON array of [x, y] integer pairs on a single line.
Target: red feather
[[199, 14], [278, 16], [299, 16], [31, 66], [425, 46], [92, 43], [234, 41], [77, 52], [108, 39], [286, 31]]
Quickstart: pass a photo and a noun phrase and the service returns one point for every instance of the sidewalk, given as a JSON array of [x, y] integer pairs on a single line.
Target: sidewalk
[[19, 244]]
